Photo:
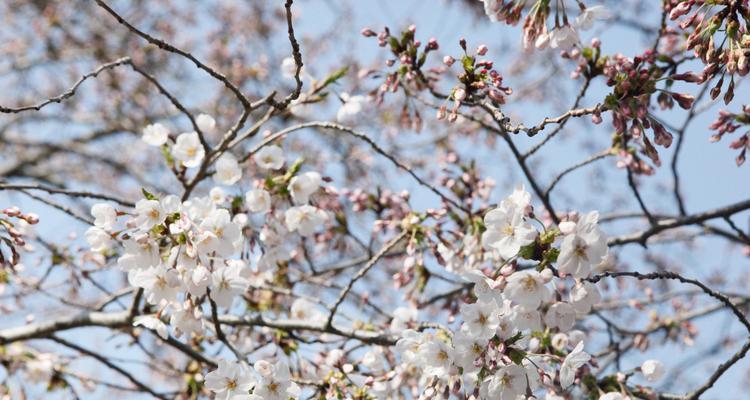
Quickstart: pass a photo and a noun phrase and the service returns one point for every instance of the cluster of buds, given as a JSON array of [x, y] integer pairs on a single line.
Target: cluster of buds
[[386, 204], [732, 55], [634, 82], [508, 12], [728, 123], [535, 24], [465, 180], [478, 80], [12, 233], [590, 60], [410, 55]]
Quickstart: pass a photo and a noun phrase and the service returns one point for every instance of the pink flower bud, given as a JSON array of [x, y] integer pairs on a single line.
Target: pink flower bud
[[684, 100], [32, 218], [459, 94], [367, 32], [681, 9], [482, 49], [448, 60]]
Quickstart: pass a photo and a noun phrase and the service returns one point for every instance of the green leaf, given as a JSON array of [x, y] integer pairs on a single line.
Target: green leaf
[[336, 75], [148, 195], [516, 355]]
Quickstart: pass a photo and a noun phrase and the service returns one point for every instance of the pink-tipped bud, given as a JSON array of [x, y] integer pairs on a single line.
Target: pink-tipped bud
[[32, 218], [367, 32], [459, 94], [448, 60], [12, 211], [684, 100], [681, 9], [482, 49]]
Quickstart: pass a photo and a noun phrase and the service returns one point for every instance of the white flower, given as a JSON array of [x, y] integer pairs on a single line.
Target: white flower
[[542, 41], [491, 8], [560, 315], [228, 282], [437, 358], [188, 149], [564, 38], [277, 384], [506, 327], [140, 253], [153, 323], [468, 348], [258, 201], [187, 320], [585, 21], [228, 171], [576, 336], [303, 185], [408, 345], [508, 383], [652, 370], [613, 396], [526, 319], [149, 213], [41, 368], [229, 379], [352, 107], [105, 216], [159, 283], [484, 287], [403, 319], [304, 219], [583, 296], [527, 288], [288, 68], [218, 233], [506, 230], [197, 279], [217, 195], [98, 239], [559, 341], [583, 248], [306, 310], [574, 360], [270, 157], [155, 134], [480, 318], [374, 360], [171, 204], [198, 208], [206, 123]]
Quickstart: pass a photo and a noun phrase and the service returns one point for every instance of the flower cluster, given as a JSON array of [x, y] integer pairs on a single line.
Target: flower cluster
[[478, 80], [267, 381], [706, 19], [728, 123], [410, 55], [564, 35], [517, 330], [14, 225], [634, 82], [183, 254]]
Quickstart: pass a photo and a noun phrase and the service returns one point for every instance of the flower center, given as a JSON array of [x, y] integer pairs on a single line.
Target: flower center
[[529, 283]]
